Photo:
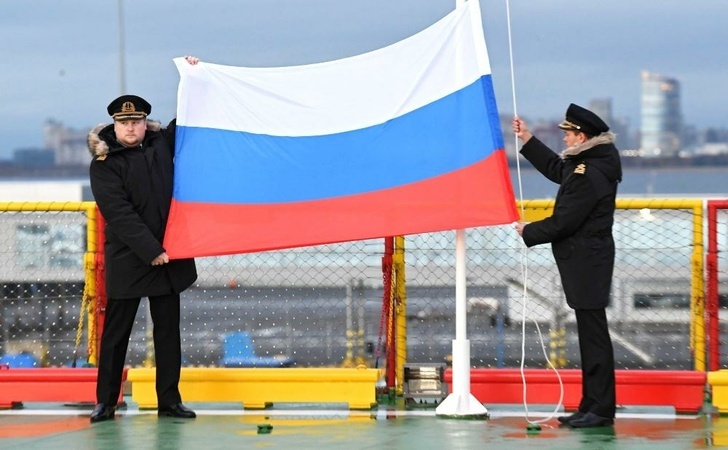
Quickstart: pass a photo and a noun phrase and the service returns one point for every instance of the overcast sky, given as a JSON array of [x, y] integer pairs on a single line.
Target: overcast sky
[[60, 59]]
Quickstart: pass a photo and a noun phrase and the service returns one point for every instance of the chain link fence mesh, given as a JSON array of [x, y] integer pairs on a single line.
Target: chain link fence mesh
[[721, 290], [42, 281], [322, 306]]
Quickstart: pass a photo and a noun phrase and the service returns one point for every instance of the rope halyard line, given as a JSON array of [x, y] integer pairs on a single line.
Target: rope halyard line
[[524, 253]]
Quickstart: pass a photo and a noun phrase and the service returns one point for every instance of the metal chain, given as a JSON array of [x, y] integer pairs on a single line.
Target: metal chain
[[85, 302], [386, 279]]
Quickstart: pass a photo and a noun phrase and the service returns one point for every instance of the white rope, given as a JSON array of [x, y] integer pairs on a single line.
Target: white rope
[[524, 258]]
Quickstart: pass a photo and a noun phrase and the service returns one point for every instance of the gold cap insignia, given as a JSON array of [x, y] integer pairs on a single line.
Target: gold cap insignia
[[569, 125], [128, 107], [580, 169]]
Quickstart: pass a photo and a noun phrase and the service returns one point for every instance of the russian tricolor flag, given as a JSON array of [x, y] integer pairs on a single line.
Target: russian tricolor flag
[[401, 140]]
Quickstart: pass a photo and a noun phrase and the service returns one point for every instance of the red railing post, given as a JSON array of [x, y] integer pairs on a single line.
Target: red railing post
[[100, 304], [712, 294]]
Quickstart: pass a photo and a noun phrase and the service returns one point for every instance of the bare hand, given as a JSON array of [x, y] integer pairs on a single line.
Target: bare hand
[[519, 228], [192, 60], [161, 259], [520, 129]]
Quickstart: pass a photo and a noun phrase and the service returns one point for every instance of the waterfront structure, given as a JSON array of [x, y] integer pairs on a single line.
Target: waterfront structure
[[661, 124], [32, 158]]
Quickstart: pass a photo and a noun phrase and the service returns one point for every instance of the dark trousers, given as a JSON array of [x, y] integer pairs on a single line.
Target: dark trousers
[[120, 315], [597, 363]]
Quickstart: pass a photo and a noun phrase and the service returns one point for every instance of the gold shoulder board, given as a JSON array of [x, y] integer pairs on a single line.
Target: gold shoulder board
[[580, 169], [101, 157]]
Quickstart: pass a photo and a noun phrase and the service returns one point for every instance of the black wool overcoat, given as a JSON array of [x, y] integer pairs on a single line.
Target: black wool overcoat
[[580, 228], [133, 190]]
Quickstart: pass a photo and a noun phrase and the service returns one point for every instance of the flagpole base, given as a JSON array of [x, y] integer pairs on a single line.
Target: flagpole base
[[462, 406]]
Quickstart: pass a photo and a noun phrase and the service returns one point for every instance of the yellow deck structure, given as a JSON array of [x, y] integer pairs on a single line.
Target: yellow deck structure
[[718, 382], [258, 388]]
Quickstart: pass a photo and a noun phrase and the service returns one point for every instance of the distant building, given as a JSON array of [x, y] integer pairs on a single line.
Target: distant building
[[602, 107], [713, 148], [68, 145], [550, 134], [33, 158], [661, 118], [713, 135]]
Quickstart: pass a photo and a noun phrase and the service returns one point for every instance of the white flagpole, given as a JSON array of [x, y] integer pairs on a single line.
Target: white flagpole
[[461, 403]]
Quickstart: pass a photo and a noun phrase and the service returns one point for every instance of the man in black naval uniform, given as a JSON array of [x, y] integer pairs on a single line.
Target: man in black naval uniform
[[131, 179], [580, 233]]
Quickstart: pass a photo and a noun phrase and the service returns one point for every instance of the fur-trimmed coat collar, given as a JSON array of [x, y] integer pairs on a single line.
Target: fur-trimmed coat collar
[[604, 138], [99, 146]]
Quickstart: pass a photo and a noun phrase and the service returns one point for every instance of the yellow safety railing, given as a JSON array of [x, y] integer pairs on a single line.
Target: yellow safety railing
[[539, 209], [89, 257], [401, 296], [532, 210]]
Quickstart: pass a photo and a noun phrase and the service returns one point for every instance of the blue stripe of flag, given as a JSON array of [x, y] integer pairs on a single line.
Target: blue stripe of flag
[[234, 167]]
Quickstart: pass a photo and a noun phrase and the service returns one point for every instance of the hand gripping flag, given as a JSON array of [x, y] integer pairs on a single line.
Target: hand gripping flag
[[401, 140]]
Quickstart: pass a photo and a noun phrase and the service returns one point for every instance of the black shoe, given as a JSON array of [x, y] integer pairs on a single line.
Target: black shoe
[[591, 420], [566, 419], [176, 410], [102, 412]]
